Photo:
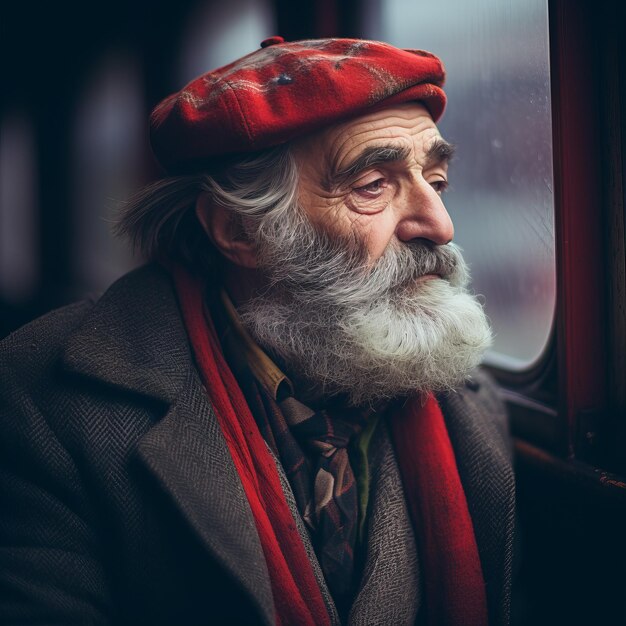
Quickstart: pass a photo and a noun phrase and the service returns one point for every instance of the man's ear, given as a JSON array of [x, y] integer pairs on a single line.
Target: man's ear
[[225, 230]]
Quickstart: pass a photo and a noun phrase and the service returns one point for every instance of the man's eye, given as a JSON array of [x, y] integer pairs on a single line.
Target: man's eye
[[439, 185], [373, 189]]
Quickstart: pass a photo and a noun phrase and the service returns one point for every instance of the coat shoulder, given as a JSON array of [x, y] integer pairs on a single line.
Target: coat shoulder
[[485, 391], [477, 406], [38, 350], [29, 351]]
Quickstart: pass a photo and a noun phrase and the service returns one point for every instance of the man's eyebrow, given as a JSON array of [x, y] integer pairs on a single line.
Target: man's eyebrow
[[439, 151], [370, 157]]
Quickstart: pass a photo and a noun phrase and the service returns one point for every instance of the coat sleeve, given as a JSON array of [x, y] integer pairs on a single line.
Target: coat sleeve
[[51, 569]]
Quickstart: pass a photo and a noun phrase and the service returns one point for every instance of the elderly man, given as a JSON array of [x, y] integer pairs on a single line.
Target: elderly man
[[279, 420]]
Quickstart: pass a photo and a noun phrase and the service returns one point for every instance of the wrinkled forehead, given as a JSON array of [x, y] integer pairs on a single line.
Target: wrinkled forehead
[[408, 127]]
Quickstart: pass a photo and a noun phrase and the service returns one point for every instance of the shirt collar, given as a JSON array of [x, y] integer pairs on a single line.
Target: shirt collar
[[266, 372]]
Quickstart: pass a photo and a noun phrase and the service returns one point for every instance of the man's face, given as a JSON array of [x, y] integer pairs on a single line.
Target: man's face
[[362, 298], [378, 177]]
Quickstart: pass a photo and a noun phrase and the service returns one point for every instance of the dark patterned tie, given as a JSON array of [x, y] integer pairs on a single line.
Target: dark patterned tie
[[328, 502]]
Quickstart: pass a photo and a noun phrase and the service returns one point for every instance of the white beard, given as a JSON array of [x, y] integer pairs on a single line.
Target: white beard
[[366, 333]]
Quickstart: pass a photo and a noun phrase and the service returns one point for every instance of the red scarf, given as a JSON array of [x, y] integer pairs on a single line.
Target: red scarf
[[455, 590], [454, 584]]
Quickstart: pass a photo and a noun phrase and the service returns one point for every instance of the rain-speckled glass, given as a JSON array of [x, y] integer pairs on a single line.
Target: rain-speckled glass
[[496, 54]]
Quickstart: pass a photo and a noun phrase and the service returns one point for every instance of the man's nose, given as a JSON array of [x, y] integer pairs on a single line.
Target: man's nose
[[424, 216]]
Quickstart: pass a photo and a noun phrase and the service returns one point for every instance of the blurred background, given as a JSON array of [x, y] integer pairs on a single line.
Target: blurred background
[[81, 78]]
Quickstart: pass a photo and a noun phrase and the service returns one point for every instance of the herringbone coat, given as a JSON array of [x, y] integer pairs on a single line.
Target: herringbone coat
[[120, 503]]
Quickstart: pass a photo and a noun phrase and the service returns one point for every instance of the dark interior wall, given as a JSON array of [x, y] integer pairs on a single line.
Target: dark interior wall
[[51, 52]]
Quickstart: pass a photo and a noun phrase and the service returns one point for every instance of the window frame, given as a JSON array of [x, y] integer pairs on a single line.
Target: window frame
[[571, 403]]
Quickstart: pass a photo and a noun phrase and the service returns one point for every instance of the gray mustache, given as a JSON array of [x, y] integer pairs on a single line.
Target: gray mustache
[[330, 270], [431, 259], [310, 263]]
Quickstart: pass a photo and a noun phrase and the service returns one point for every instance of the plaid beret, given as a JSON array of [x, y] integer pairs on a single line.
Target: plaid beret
[[286, 90]]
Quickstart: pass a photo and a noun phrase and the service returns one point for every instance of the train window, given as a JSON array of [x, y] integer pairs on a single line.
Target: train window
[[501, 195]]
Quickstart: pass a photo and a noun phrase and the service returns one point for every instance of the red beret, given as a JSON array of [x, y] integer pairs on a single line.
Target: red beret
[[286, 90]]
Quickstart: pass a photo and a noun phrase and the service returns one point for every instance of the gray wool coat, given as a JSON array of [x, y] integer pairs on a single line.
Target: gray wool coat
[[119, 502]]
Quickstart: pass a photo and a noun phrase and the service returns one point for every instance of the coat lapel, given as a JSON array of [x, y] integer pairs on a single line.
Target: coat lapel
[[134, 340], [477, 427], [203, 482]]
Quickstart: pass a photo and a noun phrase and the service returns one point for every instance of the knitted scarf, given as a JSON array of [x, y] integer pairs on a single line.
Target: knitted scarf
[[455, 590]]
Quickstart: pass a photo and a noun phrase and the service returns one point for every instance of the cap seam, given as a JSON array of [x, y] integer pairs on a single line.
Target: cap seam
[[241, 113]]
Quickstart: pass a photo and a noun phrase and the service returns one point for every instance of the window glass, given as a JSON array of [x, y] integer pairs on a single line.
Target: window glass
[[496, 54]]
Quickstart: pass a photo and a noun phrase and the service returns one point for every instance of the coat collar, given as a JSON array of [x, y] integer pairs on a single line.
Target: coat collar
[[133, 340]]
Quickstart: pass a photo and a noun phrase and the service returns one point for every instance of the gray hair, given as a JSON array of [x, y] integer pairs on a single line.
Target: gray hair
[[160, 220]]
